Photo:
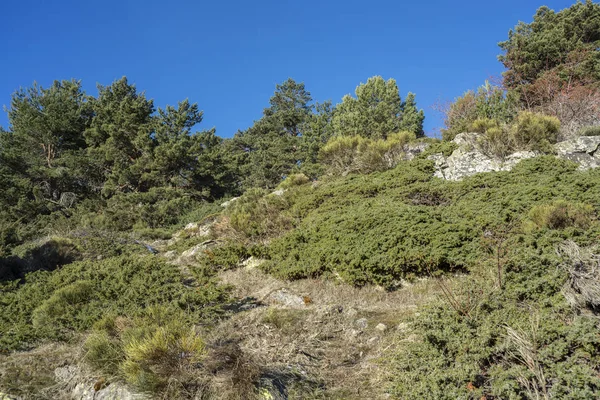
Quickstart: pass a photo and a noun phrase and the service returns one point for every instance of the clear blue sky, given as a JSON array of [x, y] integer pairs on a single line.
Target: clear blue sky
[[228, 55]]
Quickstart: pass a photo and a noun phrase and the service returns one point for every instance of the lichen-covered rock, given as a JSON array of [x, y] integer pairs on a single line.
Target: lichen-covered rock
[[468, 159], [583, 150], [582, 144], [284, 297], [189, 256], [411, 150], [252, 263]]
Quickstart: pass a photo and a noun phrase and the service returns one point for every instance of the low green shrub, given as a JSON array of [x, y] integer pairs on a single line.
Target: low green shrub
[[531, 131], [56, 309], [403, 223], [356, 154], [294, 180], [521, 342], [72, 298], [446, 148], [259, 215]]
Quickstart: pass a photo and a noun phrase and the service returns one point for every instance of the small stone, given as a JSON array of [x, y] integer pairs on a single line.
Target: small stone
[[252, 263], [192, 226], [402, 326], [361, 323], [228, 202], [372, 340], [381, 327]]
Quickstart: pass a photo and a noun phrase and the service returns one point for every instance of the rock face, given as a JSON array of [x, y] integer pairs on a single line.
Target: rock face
[[582, 150], [411, 150], [468, 159]]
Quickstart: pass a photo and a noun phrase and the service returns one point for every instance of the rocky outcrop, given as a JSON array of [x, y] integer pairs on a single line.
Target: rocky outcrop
[[582, 150], [412, 150], [468, 159]]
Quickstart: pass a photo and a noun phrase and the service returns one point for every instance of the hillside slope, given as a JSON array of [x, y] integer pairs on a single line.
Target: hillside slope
[[389, 284]]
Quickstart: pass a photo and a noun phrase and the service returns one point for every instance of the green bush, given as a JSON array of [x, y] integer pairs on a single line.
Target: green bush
[[487, 103], [56, 310], [514, 343], [532, 131], [356, 154], [294, 180], [55, 304], [401, 223], [258, 215], [157, 208]]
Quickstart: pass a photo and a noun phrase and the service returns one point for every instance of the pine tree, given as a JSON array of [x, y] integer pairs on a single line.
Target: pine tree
[[377, 111], [120, 135], [411, 119], [272, 147]]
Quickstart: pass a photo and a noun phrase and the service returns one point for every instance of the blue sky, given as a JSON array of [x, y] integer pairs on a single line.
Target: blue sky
[[228, 55]]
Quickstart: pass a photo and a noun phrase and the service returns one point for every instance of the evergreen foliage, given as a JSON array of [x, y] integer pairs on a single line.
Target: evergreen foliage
[[377, 111], [568, 40]]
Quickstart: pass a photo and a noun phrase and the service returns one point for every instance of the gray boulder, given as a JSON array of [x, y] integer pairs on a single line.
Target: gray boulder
[[583, 150], [411, 150]]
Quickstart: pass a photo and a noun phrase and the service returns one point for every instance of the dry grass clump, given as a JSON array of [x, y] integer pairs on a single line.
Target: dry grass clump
[[523, 347], [583, 265], [154, 353], [30, 375], [343, 155], [231, 373]]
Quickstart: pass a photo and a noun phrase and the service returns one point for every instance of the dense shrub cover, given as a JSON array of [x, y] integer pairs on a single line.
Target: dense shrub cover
[[520, 342], [53, 305], [89, 183], [396, 224]]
